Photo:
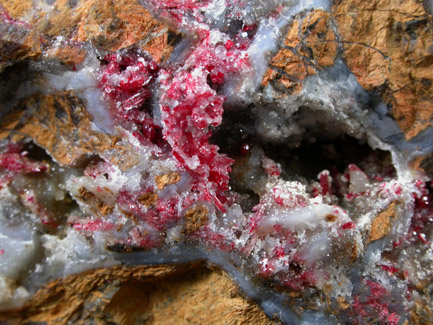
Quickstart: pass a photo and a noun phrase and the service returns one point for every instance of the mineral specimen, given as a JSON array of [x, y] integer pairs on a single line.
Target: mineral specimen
[[285, 145]]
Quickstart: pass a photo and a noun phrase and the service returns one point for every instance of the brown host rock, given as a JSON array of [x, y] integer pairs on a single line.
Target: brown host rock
[[309, 45], [17, 40], [169, 294], [110, 25], [388, 46], [61, 125]]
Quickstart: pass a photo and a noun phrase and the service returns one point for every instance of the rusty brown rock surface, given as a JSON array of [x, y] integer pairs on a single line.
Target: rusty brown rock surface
[[61, 125], [167, 179], [309, 45], [110, 25], [17, 40], [169, 294], [382, 223], [18, 9], [195, 218], [388, 46]]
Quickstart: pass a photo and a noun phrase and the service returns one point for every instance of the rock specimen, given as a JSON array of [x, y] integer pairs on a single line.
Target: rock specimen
[[188, 161]]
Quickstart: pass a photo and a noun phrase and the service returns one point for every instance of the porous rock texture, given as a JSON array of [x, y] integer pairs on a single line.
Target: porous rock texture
[[124, 210]]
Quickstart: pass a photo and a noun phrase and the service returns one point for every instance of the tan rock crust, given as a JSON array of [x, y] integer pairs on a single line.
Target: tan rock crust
[[423, 164], [343, 304], [17, 41], [105, 208], [382, 223], [110, 25], [387, 45], [422, 313], [195, 218], [61, 124], [331, 218], [67, 54], [309, 45], [166, 179], [17, 9], [354, 255], [148, 199], [100, 206], [85, 194], [168, 294]]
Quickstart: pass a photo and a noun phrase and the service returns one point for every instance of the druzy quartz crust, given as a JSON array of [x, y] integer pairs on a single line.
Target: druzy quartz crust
[[246, 134]]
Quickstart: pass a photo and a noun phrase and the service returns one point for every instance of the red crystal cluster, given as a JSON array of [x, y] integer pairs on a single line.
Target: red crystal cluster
[[190, 107], [125, 80]]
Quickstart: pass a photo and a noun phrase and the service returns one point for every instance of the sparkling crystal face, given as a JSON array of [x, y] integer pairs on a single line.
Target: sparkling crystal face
[[243, 148]]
